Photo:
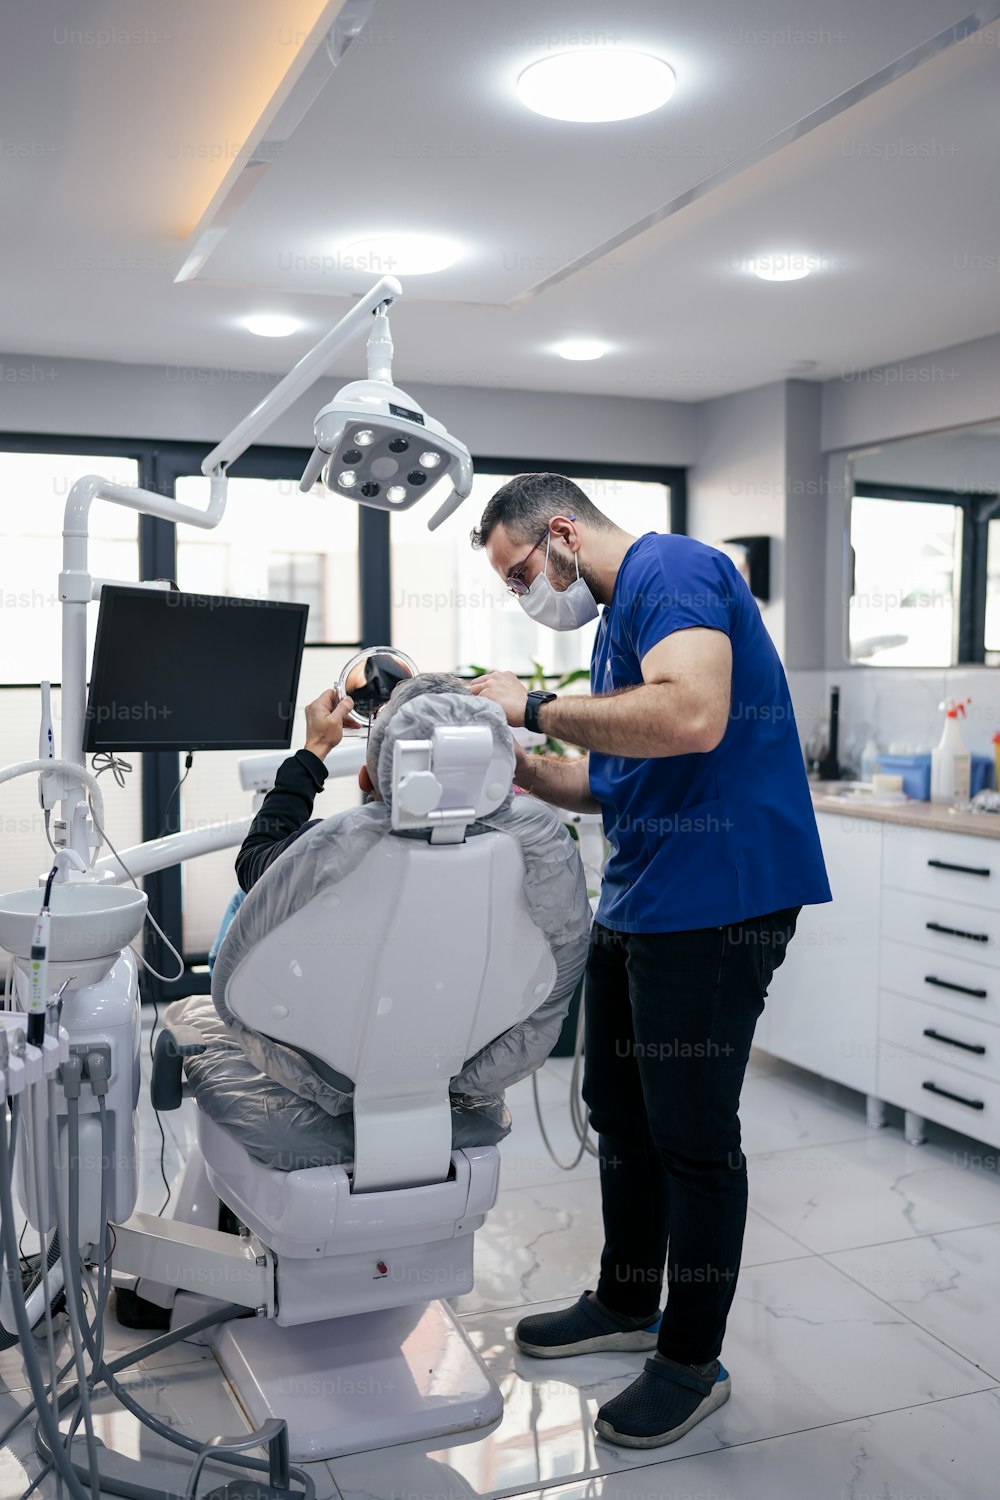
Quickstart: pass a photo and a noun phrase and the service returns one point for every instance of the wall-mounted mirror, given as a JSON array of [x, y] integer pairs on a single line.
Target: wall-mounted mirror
[[924, 522], [369, 678]]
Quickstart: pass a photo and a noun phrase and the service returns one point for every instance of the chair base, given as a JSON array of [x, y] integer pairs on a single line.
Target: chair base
[[352, 1384]]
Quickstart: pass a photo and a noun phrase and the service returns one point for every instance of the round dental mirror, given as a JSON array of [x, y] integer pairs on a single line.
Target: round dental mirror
[[369, 678]]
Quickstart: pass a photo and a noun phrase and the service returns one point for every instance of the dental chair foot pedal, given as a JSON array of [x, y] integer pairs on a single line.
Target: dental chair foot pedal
[[133, 1311]]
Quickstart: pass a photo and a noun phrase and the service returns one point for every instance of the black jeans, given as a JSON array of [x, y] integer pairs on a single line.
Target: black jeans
[[669, 1021]]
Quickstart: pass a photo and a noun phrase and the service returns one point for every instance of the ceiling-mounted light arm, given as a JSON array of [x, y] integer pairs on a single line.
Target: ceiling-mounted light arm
[[309, 369], [380, 346]]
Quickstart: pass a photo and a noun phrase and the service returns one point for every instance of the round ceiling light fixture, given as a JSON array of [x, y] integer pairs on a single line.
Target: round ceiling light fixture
[[783, 265], [271, 325], [398, 254], [581, 349], [596, 84]]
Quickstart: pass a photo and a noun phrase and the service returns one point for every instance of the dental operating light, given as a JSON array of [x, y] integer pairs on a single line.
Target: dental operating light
[[376, 445]]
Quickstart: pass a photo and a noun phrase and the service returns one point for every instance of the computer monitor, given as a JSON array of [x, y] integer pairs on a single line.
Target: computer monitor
[[177, 671]]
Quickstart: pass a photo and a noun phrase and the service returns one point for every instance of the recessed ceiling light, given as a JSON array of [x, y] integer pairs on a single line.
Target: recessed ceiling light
[[271, 325], [596, 84], [785, 265], [582, 349], [398, 254]]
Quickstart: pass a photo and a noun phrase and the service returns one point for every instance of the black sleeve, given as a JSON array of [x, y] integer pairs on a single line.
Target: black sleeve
[[283, 817]]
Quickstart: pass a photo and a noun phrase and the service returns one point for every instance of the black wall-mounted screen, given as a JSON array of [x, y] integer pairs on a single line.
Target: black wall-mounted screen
[[176, 671]]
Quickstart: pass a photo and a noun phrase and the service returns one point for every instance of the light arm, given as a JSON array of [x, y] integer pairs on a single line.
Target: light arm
[[309, 368]]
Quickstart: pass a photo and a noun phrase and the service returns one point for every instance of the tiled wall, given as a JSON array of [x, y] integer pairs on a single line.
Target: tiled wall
[[898, 707]]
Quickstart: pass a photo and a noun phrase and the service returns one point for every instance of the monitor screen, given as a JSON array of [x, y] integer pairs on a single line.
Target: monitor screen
[[176, 671]]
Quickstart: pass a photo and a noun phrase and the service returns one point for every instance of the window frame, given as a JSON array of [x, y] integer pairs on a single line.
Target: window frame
[[977, 509], [671, 475]]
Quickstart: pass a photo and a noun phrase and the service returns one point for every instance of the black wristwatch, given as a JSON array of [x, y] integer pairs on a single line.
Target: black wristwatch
[[531, 707]]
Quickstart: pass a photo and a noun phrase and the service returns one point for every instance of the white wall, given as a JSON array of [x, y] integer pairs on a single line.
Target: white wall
[[90, 398], [737, 485], [944, 388]]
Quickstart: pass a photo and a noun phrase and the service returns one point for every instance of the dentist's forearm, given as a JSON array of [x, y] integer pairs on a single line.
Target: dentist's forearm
[[651, 719], [563, 783]]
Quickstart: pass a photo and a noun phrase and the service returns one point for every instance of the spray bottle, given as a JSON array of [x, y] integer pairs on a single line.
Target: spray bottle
[[951, 763]]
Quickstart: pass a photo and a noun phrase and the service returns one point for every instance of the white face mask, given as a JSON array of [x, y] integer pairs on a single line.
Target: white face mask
[[565, 609]]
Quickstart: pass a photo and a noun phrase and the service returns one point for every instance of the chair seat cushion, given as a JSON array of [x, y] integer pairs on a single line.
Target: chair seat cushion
[[279, 1128]]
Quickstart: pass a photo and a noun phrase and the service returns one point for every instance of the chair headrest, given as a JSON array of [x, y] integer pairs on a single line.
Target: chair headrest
[[474, 770]]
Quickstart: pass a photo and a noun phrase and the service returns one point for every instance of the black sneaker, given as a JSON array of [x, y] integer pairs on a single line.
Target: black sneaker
[[665, 1402], [584, 1328]]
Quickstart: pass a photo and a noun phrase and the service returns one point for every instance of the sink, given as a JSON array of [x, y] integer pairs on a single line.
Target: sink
[[89, 921]]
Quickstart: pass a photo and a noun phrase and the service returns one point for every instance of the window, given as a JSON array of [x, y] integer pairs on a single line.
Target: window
[[273, 538], [905, 600], [925, 575], [450, 611], [297, 578]]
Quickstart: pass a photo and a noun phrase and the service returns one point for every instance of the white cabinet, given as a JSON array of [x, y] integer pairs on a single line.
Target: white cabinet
[[822, 1007], [893, 988]]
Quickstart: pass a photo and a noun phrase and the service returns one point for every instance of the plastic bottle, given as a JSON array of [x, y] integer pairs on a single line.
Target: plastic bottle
[[869, 759], [951, 763]]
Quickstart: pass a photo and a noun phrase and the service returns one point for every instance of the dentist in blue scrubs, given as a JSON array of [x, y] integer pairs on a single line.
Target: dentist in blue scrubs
[[693, 758]]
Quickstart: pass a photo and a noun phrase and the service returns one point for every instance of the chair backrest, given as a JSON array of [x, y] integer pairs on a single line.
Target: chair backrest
[[395, 977]]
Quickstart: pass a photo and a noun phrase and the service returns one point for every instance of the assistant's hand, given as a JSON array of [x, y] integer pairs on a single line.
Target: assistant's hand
[[325, 723], [507, 690]]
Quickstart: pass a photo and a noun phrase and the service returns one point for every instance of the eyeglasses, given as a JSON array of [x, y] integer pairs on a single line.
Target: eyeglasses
[[515, 578]]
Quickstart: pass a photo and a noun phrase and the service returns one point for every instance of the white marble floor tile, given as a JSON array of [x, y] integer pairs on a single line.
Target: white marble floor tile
[[782, 1107], [947, 1451], [869, 1191], [544, 1243], [806, 1347], [947, 1283]]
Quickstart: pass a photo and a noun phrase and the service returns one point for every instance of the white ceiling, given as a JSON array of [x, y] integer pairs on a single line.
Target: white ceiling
[[788, 130]]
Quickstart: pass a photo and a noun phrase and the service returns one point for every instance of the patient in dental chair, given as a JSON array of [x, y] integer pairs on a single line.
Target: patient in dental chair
[[288, 1110]]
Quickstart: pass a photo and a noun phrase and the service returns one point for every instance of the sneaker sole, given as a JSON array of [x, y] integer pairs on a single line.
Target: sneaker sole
[[717, 1397], [639, 1341]]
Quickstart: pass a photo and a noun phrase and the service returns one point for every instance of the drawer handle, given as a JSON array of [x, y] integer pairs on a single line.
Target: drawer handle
[[938, 1036], [973, 937], [961, 989], [942, 864], [945, 1094]]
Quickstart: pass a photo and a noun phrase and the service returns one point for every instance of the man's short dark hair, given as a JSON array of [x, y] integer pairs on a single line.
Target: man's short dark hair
[[526, 504]]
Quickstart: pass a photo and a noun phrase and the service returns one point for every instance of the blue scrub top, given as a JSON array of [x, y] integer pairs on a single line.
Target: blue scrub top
[[701, 840]]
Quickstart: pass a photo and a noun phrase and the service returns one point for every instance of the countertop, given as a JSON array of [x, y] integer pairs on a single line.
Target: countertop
[[911, 814]]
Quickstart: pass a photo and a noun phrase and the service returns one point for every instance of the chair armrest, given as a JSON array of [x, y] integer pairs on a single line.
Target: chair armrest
[[173, 1044]]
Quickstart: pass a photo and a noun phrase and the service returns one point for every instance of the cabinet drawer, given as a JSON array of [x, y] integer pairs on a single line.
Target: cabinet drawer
[[949, 928], [938, 1036], [957, 866], [952, 982], [975, 1109]]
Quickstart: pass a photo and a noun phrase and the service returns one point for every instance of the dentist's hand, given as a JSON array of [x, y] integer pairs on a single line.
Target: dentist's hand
[[325, 723], [507, 690]]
